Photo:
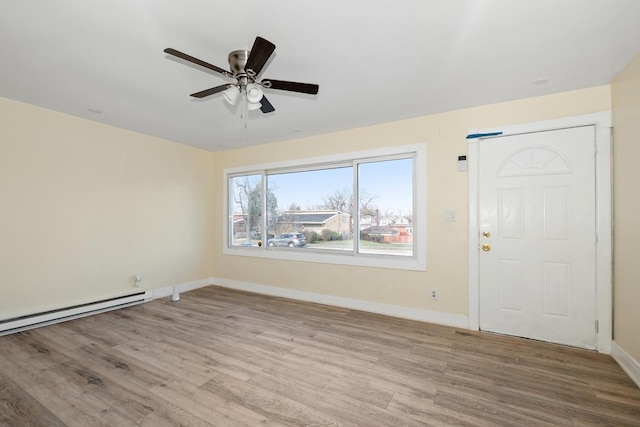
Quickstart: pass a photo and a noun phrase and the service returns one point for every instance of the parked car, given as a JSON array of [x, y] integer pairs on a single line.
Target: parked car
[[288, 239]]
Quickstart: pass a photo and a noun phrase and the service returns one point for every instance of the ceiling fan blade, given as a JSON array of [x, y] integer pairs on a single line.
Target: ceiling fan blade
[[197, 61], [266, 106], [212, 91], [291, 86], [259, 55]]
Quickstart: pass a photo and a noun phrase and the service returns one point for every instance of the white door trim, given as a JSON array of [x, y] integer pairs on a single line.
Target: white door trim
[[603, 123]]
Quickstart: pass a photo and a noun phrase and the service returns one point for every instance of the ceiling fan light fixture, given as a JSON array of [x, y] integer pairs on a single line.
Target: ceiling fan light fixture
[[231, 94], [253, 106], [254, 93]]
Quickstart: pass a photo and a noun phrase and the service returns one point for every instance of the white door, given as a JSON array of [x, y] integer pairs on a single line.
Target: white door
[[537, 239]]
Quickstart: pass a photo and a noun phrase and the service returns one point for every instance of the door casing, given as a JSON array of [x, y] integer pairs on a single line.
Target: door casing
[[602, 122]]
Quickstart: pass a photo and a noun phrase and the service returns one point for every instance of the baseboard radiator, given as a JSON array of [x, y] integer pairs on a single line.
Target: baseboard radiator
[[23, 323]]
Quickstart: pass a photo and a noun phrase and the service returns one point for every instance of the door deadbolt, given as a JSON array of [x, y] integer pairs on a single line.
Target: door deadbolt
[[486, 247], [486, 234]]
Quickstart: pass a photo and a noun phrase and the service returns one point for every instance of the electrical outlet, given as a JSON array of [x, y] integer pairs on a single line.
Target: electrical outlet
[[434, 294], [137, 279]]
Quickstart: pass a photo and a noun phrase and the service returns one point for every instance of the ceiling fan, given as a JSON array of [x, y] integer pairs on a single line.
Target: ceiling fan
[[245, 67]]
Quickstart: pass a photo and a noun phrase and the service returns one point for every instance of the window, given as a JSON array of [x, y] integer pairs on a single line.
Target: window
[[316, 203], [385, 195], [352, 209], [245, 213]]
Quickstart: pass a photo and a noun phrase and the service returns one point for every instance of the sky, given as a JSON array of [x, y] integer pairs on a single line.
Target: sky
[[390, 181]]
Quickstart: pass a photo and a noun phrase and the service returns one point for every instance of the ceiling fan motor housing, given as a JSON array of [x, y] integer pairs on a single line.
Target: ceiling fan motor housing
[[237, 61]]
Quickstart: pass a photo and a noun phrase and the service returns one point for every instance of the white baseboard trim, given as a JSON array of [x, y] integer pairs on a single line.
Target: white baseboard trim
[[626, 362], [455, 320], [182, 287]]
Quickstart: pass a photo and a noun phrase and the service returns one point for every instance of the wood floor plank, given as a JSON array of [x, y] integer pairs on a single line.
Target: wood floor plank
[[523, 406], [316, 394], [269, 404], [227, 358], [587, 417], [106, 336], [109, 362], [166, 361], [171, 415], [422, 409], [347, 383], [126, 325], [491, 411], [384, 381], [208, 355], [18, 407], [80, 373], [621, 391], [216, 410], [71, 404], [30, 371], [312, 341]]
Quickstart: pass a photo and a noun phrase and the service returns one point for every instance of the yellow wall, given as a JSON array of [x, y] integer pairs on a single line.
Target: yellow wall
[[626, 207], [444, 135], [84, 207]]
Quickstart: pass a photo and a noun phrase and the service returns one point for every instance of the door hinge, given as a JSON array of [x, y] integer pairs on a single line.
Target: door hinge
[[597, 327]]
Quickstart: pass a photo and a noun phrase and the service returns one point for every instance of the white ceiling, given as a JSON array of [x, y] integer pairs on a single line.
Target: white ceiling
[[376, 61]]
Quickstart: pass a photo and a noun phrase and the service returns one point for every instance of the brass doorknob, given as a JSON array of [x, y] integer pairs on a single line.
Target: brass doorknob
[[486, 247], [486, 234]]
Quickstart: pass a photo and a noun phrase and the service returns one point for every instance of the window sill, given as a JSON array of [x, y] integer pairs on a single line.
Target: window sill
[[346, 258]]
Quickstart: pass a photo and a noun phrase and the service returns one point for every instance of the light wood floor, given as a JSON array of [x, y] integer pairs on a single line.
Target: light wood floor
[[226, 358]]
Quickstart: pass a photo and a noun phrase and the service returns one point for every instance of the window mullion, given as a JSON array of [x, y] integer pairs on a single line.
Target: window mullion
[[265, 229], [355, 210]]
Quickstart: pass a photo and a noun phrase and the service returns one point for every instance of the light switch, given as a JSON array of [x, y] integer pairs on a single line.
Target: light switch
[[450, 215]]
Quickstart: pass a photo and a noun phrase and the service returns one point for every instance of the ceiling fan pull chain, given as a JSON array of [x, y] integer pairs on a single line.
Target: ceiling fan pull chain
[[245, 110]]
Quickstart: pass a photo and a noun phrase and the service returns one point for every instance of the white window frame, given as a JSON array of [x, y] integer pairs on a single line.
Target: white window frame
[[416, 262]]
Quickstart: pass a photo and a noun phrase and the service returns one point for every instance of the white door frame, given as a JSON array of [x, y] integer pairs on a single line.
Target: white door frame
[[603, 123]]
